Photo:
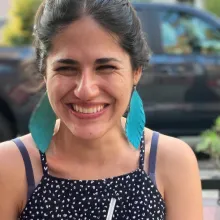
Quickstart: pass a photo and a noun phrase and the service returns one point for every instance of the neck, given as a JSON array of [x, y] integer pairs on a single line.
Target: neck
[[98, 151]]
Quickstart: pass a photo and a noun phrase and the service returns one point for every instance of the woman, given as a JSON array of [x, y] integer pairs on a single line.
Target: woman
[[91, 54]]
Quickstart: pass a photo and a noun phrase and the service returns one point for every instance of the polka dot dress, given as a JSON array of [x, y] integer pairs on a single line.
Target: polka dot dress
[[129, 196]]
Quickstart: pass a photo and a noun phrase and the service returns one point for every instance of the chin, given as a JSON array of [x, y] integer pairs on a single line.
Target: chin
[[87, 133]]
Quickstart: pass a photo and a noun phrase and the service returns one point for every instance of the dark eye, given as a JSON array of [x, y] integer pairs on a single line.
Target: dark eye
[[67, 69], [106, 68], [64, 68]]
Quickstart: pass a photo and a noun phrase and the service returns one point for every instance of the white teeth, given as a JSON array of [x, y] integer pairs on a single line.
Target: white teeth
[[88, 110]]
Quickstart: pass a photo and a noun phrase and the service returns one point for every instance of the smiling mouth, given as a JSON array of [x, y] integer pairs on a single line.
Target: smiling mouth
[[88, 110]]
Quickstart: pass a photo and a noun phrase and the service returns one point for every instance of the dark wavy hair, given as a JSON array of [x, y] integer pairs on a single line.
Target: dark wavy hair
[[116, 16]]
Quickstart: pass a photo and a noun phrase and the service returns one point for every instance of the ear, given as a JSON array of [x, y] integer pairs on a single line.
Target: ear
[[137, 75]]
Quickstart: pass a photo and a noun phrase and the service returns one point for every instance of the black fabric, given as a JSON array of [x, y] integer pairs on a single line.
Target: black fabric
[[135, 196]]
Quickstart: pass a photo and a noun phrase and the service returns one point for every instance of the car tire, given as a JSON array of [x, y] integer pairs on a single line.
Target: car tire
[[6, 131]]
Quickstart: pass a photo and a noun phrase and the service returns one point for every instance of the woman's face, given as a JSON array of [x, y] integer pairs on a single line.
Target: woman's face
[[89, 79]]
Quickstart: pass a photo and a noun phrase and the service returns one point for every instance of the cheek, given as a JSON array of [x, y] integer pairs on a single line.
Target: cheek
[[120, 88], [125, 91], [58, 87]]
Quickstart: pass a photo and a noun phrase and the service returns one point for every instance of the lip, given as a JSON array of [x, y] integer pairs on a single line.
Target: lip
[[88, 116]]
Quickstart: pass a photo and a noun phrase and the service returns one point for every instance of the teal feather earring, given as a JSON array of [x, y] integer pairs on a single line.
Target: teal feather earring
[[135, 123], [42, 124]]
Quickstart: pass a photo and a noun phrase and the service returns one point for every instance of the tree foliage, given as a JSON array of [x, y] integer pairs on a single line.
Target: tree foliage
[[213, 6], [19, 28], [210, 142]]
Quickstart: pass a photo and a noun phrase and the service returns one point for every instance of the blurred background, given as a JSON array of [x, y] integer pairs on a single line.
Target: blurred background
[[180, 88]]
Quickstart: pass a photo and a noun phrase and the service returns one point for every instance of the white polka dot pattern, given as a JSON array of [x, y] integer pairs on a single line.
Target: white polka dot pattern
[[136, 197]]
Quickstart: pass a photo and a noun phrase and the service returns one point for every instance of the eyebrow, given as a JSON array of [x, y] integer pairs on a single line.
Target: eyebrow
[[75, 62], [106, 60], [66, 61]]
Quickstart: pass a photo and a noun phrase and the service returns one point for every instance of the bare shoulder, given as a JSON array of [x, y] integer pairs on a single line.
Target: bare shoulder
[[175, 151], [178, 176], [174, 158], [13, 184], [11, 180], [10, 160], [176, 161], [10, 155]]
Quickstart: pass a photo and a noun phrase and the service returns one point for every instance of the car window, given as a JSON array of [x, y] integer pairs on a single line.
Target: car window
[[183, 33]]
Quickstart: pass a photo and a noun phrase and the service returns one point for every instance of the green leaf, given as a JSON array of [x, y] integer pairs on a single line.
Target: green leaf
[[203, 146], [210, 141], [213, 6], [19, 28], [217, 123]]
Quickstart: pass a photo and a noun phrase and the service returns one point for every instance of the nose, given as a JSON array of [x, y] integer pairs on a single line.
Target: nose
[[87, 88]]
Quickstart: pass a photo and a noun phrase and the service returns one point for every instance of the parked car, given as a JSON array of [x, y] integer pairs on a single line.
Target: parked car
[[181, 87], [16, 101]]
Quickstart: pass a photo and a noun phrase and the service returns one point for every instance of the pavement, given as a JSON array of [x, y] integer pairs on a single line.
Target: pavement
[[211, 208]]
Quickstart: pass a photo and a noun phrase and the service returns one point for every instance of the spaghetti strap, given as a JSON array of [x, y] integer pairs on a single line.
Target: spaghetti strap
[[153, 156], [44, 163], [28, 166], [142, 153]]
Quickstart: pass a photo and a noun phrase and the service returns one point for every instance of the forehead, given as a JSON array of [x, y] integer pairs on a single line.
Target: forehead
[[85, 38]]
